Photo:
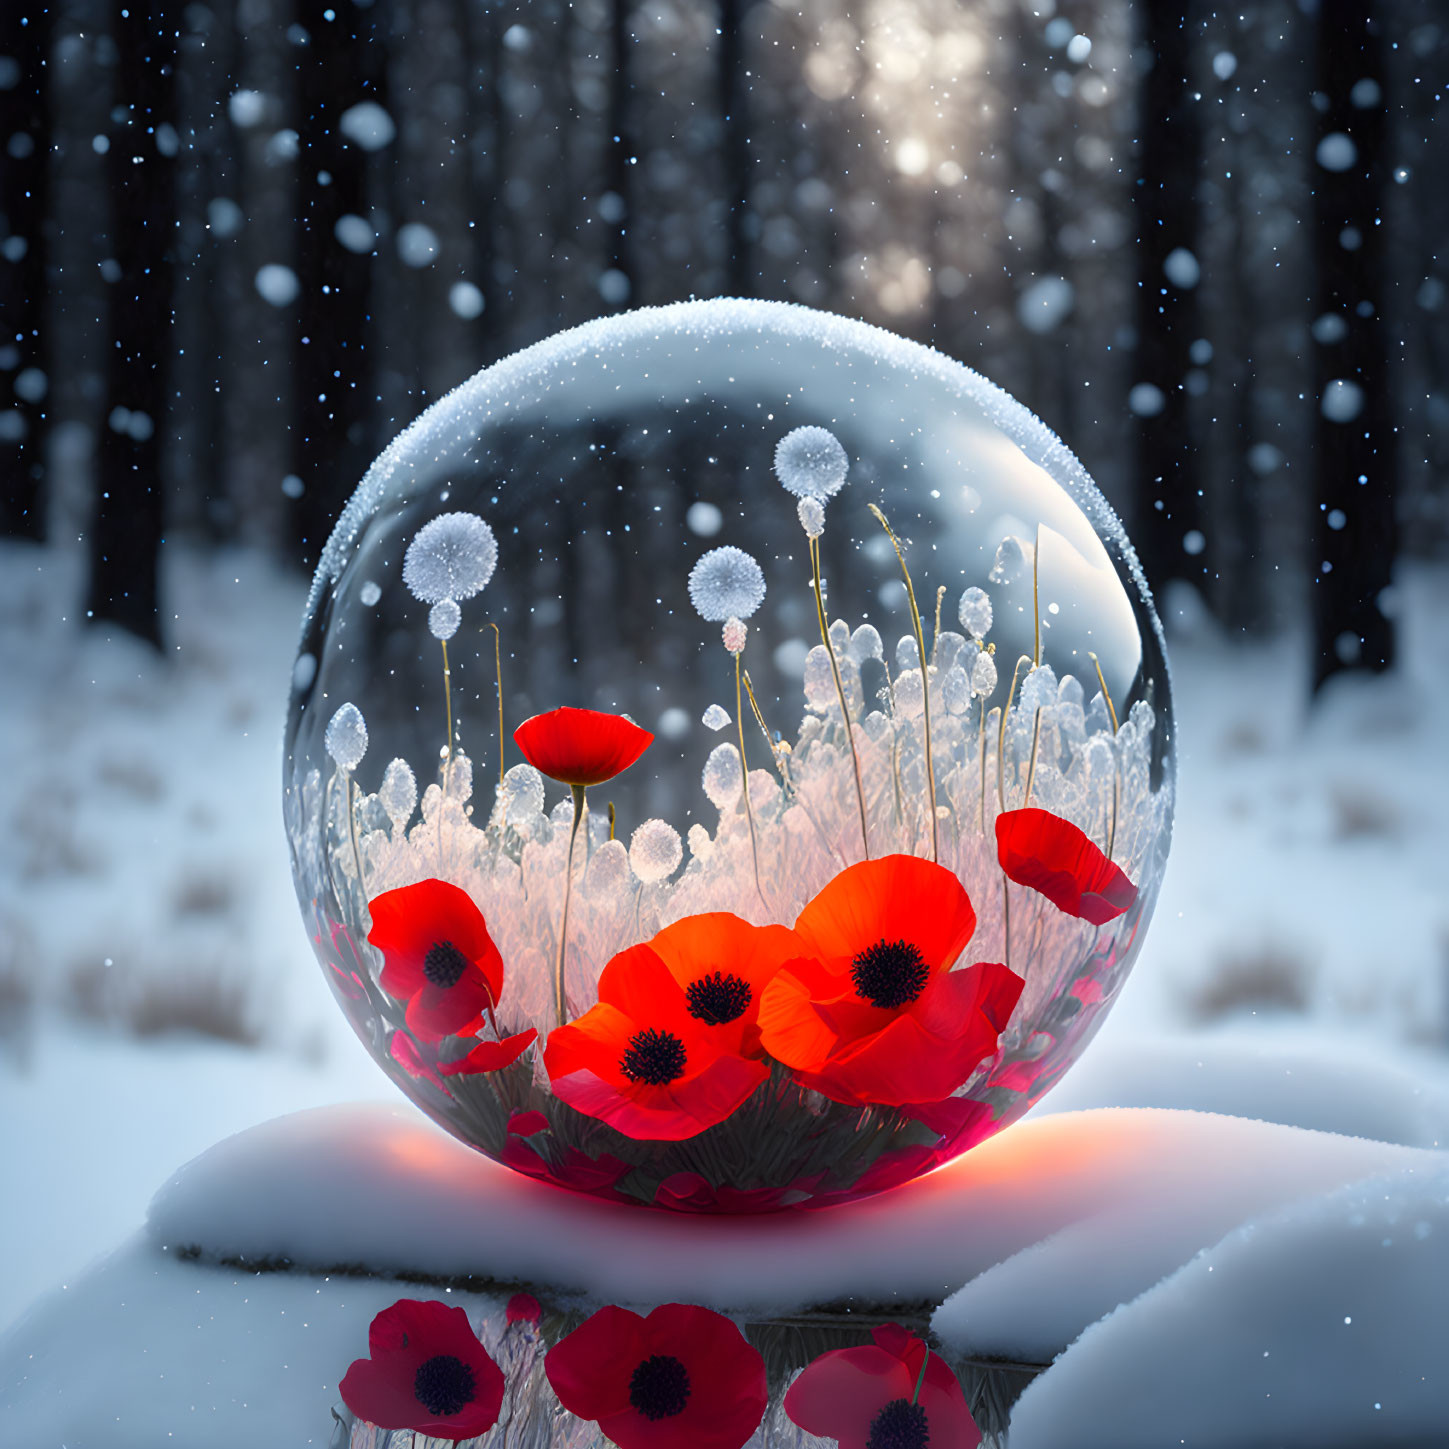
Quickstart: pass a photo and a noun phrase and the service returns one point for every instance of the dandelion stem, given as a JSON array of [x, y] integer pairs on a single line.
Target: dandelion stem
[[352, 830], [745, 774], [839, 691], [1116, 758], [560, 999], [765, 730], [1035, 600], [1031, 766], [925, 686], [498, 674], [611, 820], [981, 750], [1001, 734], [1106, 693]]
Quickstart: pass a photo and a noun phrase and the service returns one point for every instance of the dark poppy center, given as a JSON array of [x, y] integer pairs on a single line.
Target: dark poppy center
[[444, 1385], [718, 998], [654, 1058], [890, 973], [659, 1388], [899, 1425], [444, 964]]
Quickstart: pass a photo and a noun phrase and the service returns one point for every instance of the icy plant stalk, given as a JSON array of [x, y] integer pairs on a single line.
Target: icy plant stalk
[[560, 995], [735, 633], [925, 686], [346, 741]]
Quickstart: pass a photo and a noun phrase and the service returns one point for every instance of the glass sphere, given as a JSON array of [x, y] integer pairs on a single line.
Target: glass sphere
[[583, 599]]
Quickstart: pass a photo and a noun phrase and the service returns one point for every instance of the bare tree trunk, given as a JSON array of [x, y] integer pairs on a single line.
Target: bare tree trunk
[[332, 442], [1355, 532], [24, 198], [1170, 529], [621, 150], [126, 532], [735, 122]]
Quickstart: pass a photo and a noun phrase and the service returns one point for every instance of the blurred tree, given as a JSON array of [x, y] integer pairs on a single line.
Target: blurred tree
[[733, 104], [143, 143], [25, 34], [1355, 532], [1170, 530], [333, 382]]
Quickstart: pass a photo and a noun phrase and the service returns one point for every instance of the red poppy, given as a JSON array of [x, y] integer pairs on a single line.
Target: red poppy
[[490, 1056], [640, 1060], [581, 746], [404, 1051], [425, 1371], [576, 1171], [437, 954], [1051, 855], [723, 965], [878, 1395], [523, 1308], [690, 1193], [962, 1122], [890, 1169], [683, 1378], [874, 1013]]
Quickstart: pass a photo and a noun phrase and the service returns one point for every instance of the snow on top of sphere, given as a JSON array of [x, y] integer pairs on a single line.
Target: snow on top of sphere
[[452, 557], [811, 463], [655, 850], [726, 583], [444, 618], [346, 737]]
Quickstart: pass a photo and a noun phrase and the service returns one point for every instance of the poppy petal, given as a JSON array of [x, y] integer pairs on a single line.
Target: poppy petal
[[437, 1012], [839, 1395], [673, 1113], [1054, 857], [404, 1051], [898, 897], [490, 1056], [409, 921], [794, 1028], [590, 1368], [581, 746]]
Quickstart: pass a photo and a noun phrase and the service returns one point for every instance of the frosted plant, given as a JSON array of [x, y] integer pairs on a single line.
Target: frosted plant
[[734, 634], [453, 557], [726, 583], [811, 513], [865, 644], [974, 612], [444, 618], [399, 792], [716, 718], [983, 674], [655, 851], [722, 777], [346, 737], [810, 463], [1012, 555]]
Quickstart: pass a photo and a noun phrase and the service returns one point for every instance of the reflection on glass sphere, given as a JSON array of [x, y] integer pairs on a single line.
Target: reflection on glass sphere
[[683, 548]]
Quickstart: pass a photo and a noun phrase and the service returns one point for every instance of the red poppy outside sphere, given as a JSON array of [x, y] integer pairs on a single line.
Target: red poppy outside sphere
[[865, 1398], [425, 1371], [581, 747], [683, 1378], [1053, 856]]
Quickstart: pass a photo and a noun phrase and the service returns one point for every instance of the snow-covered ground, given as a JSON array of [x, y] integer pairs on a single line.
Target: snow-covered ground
[[157, 992]]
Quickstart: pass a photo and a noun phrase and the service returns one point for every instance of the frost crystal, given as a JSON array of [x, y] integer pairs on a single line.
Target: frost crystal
[[734, 633], [956, 690], [865, 644], [983, 674], [811, 513], [819, 679], [655, 850], [726, 583], [346, 737], [521, 793], [1011, 560], [399, 792], [369, 593], [810, 463], [444, 618], [722, 777], [450, 558], [716, 717], [608, 870], [975, 613], [1038, 690], [700, 843]]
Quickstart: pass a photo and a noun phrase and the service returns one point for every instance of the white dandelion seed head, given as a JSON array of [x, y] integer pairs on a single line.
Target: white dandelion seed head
[[450, 558], [444, 618], [726, 584], [655, 850], [735, 632], [975, 613], [811, 513], [346, 737], [810, 463]]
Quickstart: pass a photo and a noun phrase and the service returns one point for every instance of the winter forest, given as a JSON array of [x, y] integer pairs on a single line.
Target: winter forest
[[245, 243]]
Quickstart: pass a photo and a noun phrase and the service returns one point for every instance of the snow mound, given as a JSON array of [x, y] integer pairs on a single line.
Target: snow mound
[[1142, 1191], [1324, 1325]]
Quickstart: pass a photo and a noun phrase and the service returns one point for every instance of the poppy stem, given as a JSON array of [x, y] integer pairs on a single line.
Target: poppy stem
[[921, 1377], [839, 691], [745, 777], [1116, 759], [1031, 766], [612, 820], [498, 674], [560, 1001], [981, 749], [1001, 734], [925, 671], [1005, 921]]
